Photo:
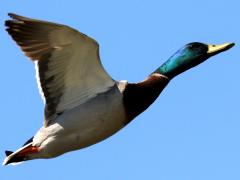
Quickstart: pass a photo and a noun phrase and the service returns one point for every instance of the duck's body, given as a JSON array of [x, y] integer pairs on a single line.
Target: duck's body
[[84, 105], [95, 120], [84, 125]]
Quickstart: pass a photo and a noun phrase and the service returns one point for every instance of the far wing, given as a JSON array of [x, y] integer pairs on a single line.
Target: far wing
[[67, 62]]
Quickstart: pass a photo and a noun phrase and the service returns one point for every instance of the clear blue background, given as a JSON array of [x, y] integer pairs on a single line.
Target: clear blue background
[[191, 132]]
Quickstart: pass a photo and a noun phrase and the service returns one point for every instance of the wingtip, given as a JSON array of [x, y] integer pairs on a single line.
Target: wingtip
[[10, 21], [11, 15], [16, 17]]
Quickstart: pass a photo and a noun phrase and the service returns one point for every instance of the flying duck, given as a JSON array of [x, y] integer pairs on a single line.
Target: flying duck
[[83, 104]]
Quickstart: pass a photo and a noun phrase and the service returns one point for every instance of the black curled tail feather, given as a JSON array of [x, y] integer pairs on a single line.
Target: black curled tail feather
[[8, 153], [20, 155]]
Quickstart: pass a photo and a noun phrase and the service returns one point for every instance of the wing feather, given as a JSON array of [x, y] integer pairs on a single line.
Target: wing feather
[[67, 62]]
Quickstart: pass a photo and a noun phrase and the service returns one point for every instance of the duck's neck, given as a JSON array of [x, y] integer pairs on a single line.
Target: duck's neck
[[139, 96]]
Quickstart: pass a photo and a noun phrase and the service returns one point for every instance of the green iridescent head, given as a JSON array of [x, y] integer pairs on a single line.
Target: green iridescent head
[[189, 56]]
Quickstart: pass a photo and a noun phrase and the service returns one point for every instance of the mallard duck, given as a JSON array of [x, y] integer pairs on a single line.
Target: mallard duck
[[83, 104]]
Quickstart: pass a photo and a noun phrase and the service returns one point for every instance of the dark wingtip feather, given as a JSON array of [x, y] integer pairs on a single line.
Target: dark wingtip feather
[[18, 17], [8, 153], [8, 23], [14, 16], [11, 15]]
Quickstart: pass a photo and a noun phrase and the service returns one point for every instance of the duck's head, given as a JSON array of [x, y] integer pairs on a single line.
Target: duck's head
[[189, 56]]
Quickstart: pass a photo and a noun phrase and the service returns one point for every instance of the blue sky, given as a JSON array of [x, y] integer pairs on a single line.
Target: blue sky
[[191, 132]]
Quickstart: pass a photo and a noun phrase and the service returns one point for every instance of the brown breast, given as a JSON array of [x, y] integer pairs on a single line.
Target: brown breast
[[139, 96]]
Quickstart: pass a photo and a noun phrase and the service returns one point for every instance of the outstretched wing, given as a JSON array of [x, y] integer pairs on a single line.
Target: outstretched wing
[[67, 63]]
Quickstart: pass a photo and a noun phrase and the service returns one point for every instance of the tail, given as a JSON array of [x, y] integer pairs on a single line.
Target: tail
[[20, 155]]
